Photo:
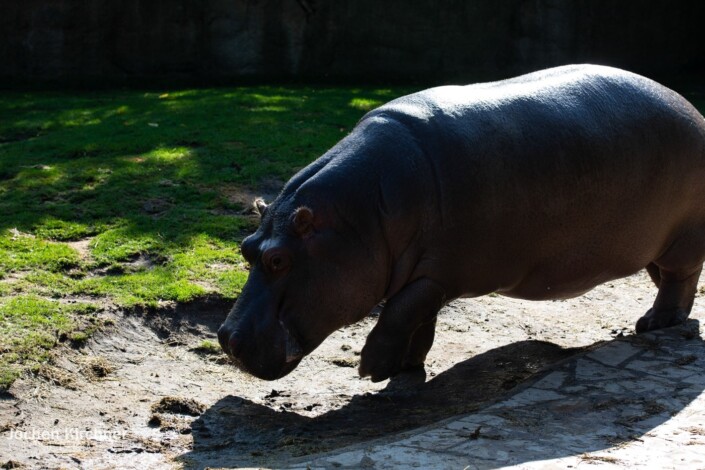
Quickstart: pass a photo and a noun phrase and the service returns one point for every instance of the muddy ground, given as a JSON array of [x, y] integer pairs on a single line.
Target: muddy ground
[[143, 394]]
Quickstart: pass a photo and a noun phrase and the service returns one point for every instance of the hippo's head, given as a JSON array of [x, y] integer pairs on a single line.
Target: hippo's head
[[311, 273]]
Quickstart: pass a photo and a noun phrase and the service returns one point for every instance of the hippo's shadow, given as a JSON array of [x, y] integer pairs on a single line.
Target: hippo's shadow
[[237, 432]]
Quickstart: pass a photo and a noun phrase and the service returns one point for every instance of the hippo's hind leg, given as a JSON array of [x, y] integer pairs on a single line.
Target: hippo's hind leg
[[654, 273], [676, 274], [673, 302]]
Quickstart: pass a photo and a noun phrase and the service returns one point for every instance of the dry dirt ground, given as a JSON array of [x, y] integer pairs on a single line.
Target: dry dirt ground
[[142, 394]]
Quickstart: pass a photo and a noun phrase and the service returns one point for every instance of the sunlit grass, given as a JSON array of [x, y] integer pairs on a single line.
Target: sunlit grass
[[364, 104], [125, 197], [23, 252], [31, 326]]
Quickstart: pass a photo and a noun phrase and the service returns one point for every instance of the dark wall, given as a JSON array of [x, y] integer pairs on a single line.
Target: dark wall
[[360, 40]]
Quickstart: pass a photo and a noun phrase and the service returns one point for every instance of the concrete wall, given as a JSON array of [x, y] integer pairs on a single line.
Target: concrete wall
[[351, 40]]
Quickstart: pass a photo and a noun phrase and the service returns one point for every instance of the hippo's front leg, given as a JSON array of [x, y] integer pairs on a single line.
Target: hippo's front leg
[[389, 342]]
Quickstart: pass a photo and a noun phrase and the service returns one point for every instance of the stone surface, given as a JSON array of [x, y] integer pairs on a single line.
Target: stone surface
[[631, 403]]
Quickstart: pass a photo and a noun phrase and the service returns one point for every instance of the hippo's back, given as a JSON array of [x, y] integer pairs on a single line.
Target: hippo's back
[[573, 92]]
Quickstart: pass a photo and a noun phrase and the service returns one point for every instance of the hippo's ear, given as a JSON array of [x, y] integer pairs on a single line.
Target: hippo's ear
[[302, 222], [259, 206]]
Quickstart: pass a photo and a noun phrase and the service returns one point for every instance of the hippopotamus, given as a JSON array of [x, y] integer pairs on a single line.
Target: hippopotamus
[[537, 187]]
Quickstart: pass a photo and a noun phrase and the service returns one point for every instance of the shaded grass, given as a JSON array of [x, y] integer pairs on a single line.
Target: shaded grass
[[132, 199]]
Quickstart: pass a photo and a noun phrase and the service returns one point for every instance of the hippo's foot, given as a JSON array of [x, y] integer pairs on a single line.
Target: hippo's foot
[[382, 356], [655, 320], [385, 355], [420, 344]]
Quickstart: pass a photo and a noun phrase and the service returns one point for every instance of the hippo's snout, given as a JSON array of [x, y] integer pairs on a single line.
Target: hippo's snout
[[267, 354]]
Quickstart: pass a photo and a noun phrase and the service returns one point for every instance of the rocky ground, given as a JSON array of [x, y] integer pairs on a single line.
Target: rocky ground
[[149, 392]]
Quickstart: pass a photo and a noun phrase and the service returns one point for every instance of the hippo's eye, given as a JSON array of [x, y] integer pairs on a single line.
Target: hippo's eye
[[276, 260]]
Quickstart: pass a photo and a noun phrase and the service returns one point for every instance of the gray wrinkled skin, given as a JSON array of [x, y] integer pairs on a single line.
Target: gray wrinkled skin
[[537, 187]]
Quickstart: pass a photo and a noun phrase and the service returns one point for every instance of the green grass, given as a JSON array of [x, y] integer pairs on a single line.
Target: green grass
[[133, 198], [31, 326], [208, 348]]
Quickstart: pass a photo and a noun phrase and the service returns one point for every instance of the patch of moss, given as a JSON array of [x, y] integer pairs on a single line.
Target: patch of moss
[[208, 348]]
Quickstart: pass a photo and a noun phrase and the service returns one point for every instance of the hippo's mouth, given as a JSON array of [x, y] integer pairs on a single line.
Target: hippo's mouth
[[257, 369], [294, 351]]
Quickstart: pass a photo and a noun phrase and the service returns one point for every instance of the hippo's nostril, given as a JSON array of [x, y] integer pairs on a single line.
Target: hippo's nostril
[[233, 346], [223, 338]]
